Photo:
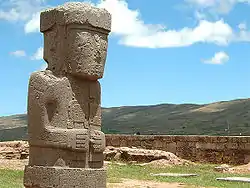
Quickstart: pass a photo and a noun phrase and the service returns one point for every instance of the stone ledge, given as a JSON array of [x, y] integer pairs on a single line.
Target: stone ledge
[[58, 177]]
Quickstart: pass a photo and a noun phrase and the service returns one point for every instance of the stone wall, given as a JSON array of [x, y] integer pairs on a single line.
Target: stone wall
[[14, 150], [214, 149]]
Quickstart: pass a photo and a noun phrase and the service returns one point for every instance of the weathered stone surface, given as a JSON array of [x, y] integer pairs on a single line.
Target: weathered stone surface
[[75, 39], [235, 179], [174, 175], [64, 101], [214, 149], [57, 177], [226, 153], [76, 13], [141, 155], [171, 147], [14, 150]]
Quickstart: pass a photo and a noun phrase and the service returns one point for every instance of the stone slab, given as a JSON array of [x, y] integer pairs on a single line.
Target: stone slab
[[174, 175], [76, 13], [235, 179], [61, 177]]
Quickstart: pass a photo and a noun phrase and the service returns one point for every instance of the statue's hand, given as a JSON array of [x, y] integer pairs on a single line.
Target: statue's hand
[[97, 141], [80, 140]]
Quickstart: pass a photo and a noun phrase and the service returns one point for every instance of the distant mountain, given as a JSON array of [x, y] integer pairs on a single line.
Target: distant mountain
[[183, 119]]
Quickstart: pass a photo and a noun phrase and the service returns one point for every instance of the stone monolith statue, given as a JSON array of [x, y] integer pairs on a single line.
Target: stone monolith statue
[[64, 111]]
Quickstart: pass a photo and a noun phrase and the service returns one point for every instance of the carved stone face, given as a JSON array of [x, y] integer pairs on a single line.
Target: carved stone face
[[87, 51]]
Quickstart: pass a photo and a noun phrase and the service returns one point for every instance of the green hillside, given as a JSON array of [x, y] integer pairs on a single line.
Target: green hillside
[[209, 119]]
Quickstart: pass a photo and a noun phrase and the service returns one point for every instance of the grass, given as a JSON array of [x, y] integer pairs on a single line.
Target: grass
[[207, 176], [11, 178]]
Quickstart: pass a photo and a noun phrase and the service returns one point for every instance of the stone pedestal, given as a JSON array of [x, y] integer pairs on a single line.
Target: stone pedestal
[[61, 177]]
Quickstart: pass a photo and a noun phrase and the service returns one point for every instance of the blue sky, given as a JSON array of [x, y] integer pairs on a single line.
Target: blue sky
[[172, 51]]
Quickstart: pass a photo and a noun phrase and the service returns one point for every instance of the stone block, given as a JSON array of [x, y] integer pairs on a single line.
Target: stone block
[[167, 139], [57, 177], [171, 147], [232, 145], [246, 159], [158, 144], [193, 138], [123, 142], [205, 139], [75, 13]]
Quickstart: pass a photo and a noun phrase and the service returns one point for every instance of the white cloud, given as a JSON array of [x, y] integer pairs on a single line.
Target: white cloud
[[126, 21], [38, 55], [22, 10], [128, 25], [15, 10], [218, 58], [219, 6], [18, 53], [242, 26], [244, 34], [199, 15], [207, 32], [11, 15], [204, 3], [33, 25]]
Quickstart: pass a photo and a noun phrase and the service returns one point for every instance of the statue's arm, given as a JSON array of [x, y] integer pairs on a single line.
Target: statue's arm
[[40, 130], [70, 139], [97, 137], [95, 106], [36, 105]]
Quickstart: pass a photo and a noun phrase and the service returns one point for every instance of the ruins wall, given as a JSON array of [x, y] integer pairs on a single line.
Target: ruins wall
[[212, 149]]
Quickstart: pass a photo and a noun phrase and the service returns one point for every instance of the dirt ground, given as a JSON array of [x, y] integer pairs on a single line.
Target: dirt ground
[[15, 164], [242, 169], [128, 183]]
